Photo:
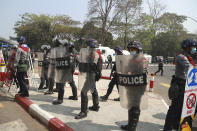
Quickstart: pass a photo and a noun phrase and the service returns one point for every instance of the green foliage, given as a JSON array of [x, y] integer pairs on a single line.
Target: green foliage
[[89, 30], [168, 43], [41, 29], [159, 36]]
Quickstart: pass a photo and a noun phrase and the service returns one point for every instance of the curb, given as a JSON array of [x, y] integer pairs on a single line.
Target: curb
[[47, 119]]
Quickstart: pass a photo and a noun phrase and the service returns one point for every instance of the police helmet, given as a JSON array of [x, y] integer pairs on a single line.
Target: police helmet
[[134, 44], [21, 39], [91, 43], [187, 43], [45, 47], [58, 41], [71, 45], [118, 49]]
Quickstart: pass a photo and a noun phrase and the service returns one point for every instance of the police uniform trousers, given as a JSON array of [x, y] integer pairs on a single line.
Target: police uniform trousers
[[74, 88], [160, 69], [44, 78], [111, 85], [60, 87], [90, 84], [174, 112], [22, 82]]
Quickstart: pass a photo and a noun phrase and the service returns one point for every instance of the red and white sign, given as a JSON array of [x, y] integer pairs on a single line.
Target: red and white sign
[[189, 103]]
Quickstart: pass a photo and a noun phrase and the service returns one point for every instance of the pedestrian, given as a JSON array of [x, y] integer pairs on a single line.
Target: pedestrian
[[90, 67], [114, 80], [21, 65], [160, 67], [73, 56], [183, 61]]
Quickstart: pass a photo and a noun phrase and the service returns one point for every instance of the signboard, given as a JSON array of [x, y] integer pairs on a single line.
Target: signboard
[[189, 103]]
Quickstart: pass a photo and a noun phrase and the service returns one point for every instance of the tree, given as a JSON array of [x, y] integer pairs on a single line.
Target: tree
[[127, 20], [168, 43], [156, 9], [89, 30], [170, 22], [41, 29], [103, 12]]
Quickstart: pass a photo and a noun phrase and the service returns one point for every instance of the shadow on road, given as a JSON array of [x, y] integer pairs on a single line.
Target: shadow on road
[[59, 109], [144, 125], [88, 125]]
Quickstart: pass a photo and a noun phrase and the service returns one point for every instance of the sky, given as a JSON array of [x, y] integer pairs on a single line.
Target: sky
[[11, 10]]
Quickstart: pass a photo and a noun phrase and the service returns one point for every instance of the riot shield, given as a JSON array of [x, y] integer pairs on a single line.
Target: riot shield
[[62, 65], [132, 80], [88, 59], [40, 63], [51, 69]]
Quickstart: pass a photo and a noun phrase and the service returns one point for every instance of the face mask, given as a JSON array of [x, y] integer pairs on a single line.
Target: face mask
[[193, 51], [133, 53]]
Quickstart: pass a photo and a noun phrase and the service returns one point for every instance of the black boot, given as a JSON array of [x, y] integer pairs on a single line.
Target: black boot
[[60, 94], [124, 127], [74, 91], [84, 106], [95, 106], [81, 115], [104, 98], [56, 102], [48, 92], [134, 114], [117, 99], [73, 98]]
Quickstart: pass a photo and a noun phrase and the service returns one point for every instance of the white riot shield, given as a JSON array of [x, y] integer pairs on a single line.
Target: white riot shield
[[40, 63], [132, 81], [62, 65], [88, 59], [51, 68]]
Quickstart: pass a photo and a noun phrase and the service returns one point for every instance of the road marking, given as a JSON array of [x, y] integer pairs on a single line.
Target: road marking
[[165, 104], [1, 105], [164, 84], [16, 125]]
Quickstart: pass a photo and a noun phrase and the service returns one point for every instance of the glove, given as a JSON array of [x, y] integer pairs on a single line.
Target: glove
[[98, 76]]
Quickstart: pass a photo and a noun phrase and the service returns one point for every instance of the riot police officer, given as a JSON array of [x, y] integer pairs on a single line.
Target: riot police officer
[[21, 64], [45, 65], [113, 81], [183, 61], [73, 54], [90, 65], [63, 71], [51, 70], [135, 91]]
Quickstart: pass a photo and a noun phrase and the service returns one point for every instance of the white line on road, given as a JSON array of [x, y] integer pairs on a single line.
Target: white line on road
[[165, 104], [16, 125]]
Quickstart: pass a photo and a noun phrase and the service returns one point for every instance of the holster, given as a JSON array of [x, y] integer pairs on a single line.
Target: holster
[[175, 88]]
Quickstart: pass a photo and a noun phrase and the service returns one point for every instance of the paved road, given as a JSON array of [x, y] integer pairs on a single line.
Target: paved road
[[14, 118]]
